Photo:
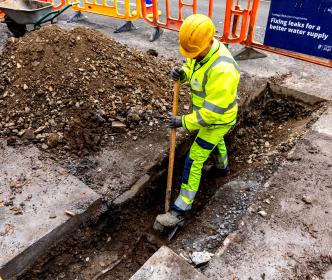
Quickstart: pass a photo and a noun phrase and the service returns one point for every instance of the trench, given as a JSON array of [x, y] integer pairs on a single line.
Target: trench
[[268, 127]]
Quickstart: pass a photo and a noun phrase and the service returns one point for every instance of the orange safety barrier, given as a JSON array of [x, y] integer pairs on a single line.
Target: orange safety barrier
[[233, 31], [170, 22], [105, 9]]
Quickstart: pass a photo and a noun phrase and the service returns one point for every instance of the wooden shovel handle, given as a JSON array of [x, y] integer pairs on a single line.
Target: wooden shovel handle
[[176, 91]]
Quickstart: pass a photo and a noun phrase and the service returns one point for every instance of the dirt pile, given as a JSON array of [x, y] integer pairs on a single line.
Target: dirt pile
[[75, 89]]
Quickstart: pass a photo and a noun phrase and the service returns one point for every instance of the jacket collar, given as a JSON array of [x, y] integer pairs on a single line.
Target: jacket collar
[[215, 46]]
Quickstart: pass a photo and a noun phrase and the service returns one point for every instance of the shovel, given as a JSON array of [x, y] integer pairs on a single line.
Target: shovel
[[175, 110], [158, 226]]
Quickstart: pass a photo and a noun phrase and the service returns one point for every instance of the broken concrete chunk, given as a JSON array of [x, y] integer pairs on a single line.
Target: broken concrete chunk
[[117, 124], [262, 213], [201, 258]]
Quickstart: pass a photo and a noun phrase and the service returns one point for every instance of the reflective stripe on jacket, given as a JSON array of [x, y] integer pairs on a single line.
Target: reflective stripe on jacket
[[213, 82]]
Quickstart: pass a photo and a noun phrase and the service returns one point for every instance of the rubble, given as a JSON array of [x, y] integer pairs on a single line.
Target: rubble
[[70, 89], [262, 213], [201, 258]]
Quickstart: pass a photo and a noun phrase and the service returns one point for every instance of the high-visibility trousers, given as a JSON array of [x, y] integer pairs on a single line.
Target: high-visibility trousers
[[207, 139]]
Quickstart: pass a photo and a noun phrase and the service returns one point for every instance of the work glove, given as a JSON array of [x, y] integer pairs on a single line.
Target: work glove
[[174, 122], [178, 74]]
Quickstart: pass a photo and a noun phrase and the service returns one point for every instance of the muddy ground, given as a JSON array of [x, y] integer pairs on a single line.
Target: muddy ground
[[267, 130]]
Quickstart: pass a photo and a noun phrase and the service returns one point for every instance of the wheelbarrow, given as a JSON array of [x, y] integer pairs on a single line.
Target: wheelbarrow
[[20, 13]]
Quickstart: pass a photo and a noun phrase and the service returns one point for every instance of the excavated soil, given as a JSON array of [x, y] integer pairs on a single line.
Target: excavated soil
[[123, 239], [70, 91]]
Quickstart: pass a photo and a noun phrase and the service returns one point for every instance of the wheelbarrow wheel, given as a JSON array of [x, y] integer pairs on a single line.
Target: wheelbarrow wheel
[[18, 30]]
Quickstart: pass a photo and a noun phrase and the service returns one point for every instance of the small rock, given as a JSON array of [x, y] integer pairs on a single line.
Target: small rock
[[44, 146], [35, 63], [201, 258], [87, 259], [134, 117], [186, 107], [18, 66], [262, 213], [116, 124], [9, 203], [39, 129], [29, 134], [18, 211], [307, 199], [20, 133], [25, 87], [241, 131], [267, 201], [267, 144], [11, 141], [53, 140]]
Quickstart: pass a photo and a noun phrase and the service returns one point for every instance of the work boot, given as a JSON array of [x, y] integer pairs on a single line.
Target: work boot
[[171, 219]]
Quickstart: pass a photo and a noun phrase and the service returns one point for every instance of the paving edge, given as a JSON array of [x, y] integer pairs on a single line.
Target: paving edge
[[296, 94], [23, 261]]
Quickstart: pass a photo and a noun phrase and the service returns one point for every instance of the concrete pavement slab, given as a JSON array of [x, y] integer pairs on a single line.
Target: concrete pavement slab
[[165, 265], [35, 194], [324, 124]]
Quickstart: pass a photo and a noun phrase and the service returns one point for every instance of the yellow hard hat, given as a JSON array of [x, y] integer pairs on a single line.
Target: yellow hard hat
[[195, 35]]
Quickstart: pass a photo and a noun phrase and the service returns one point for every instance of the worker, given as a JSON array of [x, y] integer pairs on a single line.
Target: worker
[[213, 76]]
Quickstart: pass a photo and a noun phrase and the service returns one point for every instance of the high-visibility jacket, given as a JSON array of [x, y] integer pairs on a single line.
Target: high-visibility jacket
[[213, 82]]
